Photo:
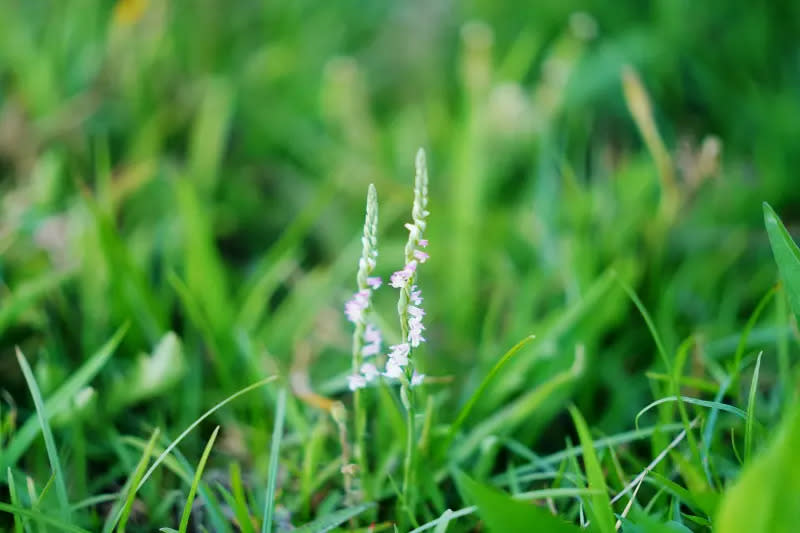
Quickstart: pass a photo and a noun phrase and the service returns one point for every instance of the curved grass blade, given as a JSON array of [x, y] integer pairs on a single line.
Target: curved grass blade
[[333, 520], [49, 442], [566, 492], [194, 424], [648, 320], [485, 383], [60, 399], [751, 322], [187, 510], [694, 401], [507, 418], [277, 434]]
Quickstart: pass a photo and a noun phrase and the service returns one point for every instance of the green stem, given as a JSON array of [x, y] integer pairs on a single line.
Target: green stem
[[408, 401], [359, 419]]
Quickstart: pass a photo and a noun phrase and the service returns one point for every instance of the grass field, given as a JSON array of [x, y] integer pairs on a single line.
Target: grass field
[[609, 310]]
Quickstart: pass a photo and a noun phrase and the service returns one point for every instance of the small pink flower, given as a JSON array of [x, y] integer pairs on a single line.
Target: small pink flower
[[399, 354], [417, 379], [354, 308], [416, 295], [393, 370], [415, 311], [423, 243], [356, 382], [421, 256], [374, 282], [369, 371], [401, 277], [373, 337]]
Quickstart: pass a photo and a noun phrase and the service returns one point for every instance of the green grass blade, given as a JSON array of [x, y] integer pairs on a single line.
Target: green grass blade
[[764, 498], [55, 522], [500, 512], [568, 492], [121, 516], [333, 520], [194, 424], [60, 399], [444, 521], [187, 510], [507, 418], [49, 441], [603, 517], [12, 494], [751, 411], [26, 294], [649, 321], [787, 256], [485, 383], [751, 322], [240, 503], [694, 401], [277, 435]]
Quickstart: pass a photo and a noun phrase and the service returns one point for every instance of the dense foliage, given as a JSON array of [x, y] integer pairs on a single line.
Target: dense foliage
[[183, 189]]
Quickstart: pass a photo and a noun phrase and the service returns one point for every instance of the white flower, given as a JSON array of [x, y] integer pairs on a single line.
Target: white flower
[[398, 354], [356, 382], [417, 379], [369, 371], [393, 370], [355, 307], [373, 337]]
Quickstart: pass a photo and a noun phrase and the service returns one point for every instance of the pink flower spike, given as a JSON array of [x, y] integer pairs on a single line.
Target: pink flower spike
[[356, 382], [421, 256], [423, 243], [374, 282]]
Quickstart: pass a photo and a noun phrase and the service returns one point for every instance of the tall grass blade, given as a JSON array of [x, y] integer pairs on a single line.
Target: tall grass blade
[[187, 509], [60, 399], [462, 415], [12, 494], [787, 256], [601, 513], [194, 424], [751, 411], [49, 442], [121, 516], [277, 434]]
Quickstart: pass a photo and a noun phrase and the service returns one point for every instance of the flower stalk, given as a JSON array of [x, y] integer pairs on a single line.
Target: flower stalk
[[400, 364], [356, 310]]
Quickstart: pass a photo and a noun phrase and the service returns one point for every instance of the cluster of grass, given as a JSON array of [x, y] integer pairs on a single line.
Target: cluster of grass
[[182, 197]]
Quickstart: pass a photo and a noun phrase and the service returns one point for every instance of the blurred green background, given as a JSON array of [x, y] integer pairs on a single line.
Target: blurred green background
[[201, 167]]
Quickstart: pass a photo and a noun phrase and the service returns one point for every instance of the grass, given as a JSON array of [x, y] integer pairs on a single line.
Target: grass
[[182, 208]]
